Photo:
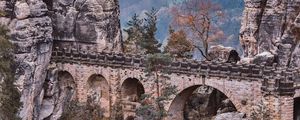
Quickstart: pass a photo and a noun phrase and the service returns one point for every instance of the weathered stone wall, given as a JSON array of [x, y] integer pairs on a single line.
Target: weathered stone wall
[[92, 25], [247, 92], [272, 26], [31, 34], [237, 91]]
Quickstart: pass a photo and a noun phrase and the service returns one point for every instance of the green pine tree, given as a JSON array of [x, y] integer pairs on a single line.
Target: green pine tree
[[149, 42], [135, 35]]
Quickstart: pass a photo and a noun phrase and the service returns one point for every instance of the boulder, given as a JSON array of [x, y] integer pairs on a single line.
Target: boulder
[[265, 57], [223, 54], [231, 116], [22, 10]]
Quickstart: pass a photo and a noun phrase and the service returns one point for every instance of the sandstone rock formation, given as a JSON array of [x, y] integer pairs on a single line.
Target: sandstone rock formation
[[35, 24], [272, 26], [88, 24], [31, 33], [266, 58]]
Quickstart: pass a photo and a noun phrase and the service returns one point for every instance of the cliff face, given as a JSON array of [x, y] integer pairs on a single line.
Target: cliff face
[[87, 24], [37, 25], [272, 26], [30, 29]]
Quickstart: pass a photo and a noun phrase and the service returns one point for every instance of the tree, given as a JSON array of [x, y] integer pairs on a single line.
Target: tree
[[135, 35], [200, 18], [149, 42], [141, 34], [155, 111], [178, 45], [9, 94]]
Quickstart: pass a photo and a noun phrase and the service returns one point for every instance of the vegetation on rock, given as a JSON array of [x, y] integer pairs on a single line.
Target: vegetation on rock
[[9, 94]]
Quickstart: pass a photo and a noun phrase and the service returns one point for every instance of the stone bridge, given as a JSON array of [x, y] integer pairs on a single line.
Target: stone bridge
[[109, 77]]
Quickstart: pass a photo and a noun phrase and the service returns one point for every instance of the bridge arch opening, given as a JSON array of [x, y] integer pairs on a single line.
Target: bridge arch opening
[[297, 108], [98, 93], [132, 90], [67, 87], [199, 101]]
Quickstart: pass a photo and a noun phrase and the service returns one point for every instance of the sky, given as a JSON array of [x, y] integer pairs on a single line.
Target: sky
[[231, 26]]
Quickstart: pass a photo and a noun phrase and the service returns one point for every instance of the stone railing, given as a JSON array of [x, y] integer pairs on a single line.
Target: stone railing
[[273, 77]]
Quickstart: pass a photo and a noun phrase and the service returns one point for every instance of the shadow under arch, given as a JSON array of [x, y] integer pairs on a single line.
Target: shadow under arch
[[67, 86], [132, 89], [178, 104], [98, 93], [64, 82], [297, 108]]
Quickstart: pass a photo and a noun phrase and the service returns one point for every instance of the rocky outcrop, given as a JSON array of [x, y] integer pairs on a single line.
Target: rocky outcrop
[[272, 26], [265, 58], [31, 34], [223, 54], [87, 24]]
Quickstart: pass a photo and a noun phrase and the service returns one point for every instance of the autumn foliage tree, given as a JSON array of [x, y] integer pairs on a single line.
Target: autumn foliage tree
[[178, 44], [200, 18]]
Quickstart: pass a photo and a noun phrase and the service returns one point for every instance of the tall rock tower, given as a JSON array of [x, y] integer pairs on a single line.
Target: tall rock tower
[[37, 26], [272, 26]]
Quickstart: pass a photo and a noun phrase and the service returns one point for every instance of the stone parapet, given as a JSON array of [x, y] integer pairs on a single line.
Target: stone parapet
[[276, 80]]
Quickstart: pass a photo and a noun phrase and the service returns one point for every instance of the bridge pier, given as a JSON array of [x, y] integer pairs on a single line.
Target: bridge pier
[[278, 107]]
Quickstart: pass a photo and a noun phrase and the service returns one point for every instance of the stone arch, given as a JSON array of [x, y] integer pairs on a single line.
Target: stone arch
[[67, 86], [132, 89], [176, 109], [297, 108], [98, 93]]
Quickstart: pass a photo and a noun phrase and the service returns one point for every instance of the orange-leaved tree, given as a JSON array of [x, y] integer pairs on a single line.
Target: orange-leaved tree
[[178, 45], [200, 19]]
